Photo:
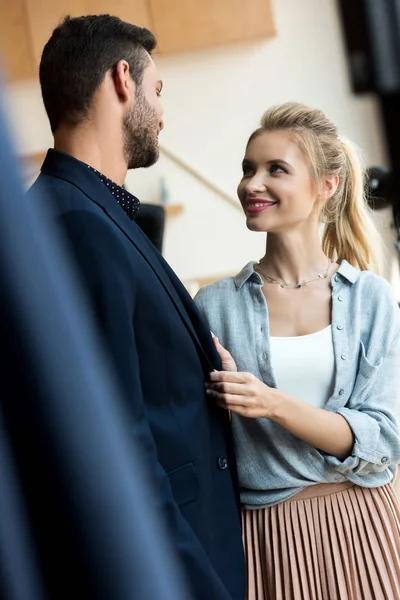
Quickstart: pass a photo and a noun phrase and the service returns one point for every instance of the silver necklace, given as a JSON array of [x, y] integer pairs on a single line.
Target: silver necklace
[[300, 284]]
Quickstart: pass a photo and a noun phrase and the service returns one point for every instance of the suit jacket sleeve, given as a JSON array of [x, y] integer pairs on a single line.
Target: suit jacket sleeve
[[107, 273]]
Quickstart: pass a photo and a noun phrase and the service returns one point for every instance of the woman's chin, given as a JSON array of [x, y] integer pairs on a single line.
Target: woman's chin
[[256, 224]]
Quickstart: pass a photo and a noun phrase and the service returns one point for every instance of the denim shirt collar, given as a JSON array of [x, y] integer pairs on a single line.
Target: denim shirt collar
[[345, 270]]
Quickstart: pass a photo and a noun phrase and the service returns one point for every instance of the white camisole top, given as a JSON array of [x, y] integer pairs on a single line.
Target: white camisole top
[[304, 366]]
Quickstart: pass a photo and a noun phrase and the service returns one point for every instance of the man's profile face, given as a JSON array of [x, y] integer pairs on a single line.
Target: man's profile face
[[143, 121]]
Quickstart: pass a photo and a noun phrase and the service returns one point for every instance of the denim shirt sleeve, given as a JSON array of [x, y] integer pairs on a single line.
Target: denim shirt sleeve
[[373, 410]]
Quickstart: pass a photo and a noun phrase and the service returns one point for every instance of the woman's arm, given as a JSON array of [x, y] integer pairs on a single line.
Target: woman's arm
[[361, 437], [246, 395]]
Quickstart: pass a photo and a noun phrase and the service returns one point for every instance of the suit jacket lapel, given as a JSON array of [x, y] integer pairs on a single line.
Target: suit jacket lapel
[[58, 164], [191, 309]]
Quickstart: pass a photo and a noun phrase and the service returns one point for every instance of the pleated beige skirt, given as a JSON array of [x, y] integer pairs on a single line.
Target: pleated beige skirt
[[329, 542]]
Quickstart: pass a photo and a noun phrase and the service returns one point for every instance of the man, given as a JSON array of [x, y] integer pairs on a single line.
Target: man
[[101, 93], [64, 532]]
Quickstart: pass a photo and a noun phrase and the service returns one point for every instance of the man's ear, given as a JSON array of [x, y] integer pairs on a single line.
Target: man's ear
[[123, 82]]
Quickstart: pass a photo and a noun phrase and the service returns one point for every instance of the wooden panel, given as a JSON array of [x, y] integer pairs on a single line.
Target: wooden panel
[[188, 24], [15, 41], [173, 210], [44, 15]]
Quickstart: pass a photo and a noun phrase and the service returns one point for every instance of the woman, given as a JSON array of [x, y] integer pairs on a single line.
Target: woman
[[315, 335]]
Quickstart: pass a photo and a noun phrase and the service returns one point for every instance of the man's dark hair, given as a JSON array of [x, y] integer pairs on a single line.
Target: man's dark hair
[[77, 57]]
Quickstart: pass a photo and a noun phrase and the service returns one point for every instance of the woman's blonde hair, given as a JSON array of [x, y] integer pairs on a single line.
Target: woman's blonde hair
[[349, 229]]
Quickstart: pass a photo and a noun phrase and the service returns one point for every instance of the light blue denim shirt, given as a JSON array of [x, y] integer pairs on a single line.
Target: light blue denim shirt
[[273, 464]]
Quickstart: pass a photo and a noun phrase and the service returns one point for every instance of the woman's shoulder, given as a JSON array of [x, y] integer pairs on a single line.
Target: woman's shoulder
[[372, 293], [366, 282]]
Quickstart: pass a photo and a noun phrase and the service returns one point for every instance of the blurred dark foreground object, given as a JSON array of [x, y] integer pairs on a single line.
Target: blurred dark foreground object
[[74, 516]]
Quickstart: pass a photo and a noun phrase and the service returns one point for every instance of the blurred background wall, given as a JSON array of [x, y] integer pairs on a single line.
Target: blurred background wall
[[213, 99]]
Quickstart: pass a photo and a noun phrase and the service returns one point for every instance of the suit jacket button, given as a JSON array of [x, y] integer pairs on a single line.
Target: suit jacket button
[[222, 463]]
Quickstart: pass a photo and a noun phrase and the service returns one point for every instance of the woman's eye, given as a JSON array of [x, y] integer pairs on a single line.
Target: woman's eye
[[277, 169], [247, 170]]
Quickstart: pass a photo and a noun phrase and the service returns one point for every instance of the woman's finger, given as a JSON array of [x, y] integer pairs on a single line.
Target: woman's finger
[[227, 388], [227, 398], [244, 411], [230, 377]]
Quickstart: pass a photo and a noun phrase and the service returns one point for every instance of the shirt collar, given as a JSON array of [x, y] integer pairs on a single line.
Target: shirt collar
[[346, 270], [246, 274], [127, 201]]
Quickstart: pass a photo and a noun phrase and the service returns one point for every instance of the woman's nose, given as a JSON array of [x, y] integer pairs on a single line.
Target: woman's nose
[[256, 184]]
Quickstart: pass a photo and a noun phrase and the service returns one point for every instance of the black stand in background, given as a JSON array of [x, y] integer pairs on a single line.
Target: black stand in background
[[390, 108], [372, 38], [151, 220]]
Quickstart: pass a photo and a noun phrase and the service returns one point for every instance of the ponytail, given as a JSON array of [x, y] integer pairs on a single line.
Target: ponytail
[[350, 232]]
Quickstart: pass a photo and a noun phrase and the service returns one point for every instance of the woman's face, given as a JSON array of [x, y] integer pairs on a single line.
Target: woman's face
[[277, 192]]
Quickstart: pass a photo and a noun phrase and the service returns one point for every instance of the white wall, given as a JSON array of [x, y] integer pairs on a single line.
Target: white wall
[[213, 99]]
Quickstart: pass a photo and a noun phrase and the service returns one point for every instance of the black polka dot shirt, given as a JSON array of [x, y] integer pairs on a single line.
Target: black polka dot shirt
[[127, 201]]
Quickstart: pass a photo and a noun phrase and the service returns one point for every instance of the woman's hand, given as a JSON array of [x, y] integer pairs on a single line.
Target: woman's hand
[[228, 364], [247, 396], [241, 393]]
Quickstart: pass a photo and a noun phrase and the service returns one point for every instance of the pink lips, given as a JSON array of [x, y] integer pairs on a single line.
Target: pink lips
[[256, 205]]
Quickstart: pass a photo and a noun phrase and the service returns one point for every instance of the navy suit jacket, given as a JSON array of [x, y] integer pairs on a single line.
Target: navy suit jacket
[[161, 351], [75, 520]]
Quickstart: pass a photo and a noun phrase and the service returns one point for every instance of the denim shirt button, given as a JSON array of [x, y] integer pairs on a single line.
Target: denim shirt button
[[341, 392], [340, 327], [340, 298], [344, 356], [384, 459], [336, 279]]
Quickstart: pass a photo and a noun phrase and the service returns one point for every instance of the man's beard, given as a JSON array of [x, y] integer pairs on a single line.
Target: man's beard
[[140, 138]]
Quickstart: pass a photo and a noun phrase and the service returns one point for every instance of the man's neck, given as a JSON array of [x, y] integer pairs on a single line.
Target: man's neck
[[87, 146]]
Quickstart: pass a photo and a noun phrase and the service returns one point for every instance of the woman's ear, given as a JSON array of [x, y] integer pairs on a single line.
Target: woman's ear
[[328, 187]]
